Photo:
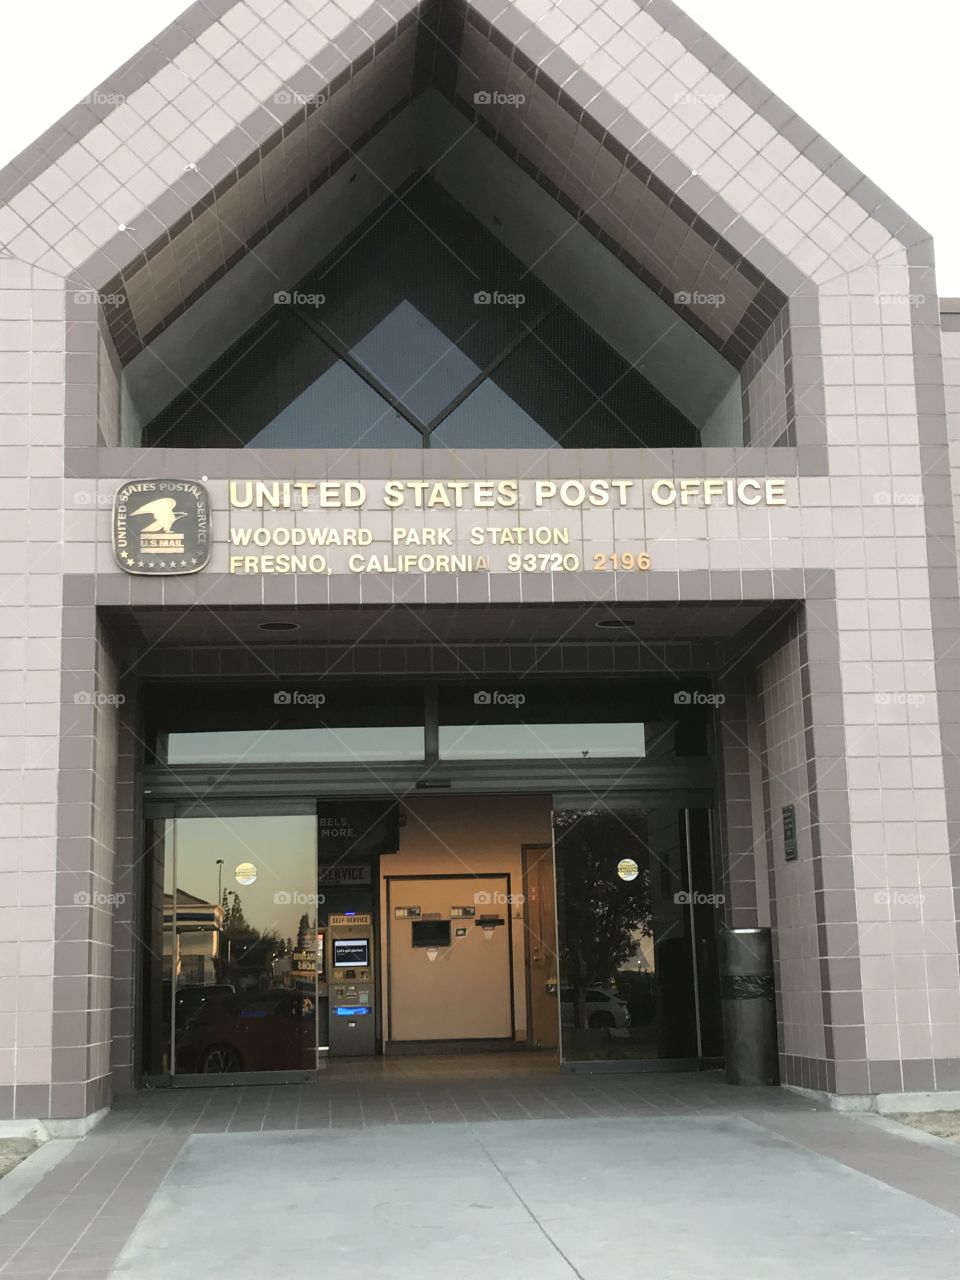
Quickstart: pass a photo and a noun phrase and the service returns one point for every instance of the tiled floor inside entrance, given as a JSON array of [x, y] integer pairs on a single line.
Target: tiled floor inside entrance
[[490, 1165], [425, 1089]]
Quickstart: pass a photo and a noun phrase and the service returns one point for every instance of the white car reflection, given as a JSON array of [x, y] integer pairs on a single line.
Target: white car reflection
[[605, 1009]]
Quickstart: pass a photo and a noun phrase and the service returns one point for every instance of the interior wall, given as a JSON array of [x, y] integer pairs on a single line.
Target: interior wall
[[454, 835]]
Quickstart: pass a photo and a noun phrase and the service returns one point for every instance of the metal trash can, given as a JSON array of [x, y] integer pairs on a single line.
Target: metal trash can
[[749, 1007]]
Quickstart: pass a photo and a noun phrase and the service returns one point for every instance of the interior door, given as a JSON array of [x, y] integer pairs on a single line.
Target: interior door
[[449, 974], [540, 938]]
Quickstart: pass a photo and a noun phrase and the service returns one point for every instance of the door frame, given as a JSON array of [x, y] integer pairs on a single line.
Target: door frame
[[525, 851], [626, 799]]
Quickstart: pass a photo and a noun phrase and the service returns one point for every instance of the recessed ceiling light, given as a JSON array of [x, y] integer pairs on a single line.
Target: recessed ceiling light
[[279, 626], [614, 624]]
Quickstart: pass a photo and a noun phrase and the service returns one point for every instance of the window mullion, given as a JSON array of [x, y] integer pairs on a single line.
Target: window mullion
[[330, 340], [488, 369]]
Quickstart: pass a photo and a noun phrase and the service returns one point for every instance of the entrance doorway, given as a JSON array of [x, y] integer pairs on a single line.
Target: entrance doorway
[[584, 932]]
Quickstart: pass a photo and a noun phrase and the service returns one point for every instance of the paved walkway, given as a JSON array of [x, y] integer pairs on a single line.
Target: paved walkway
[[483, 1167]]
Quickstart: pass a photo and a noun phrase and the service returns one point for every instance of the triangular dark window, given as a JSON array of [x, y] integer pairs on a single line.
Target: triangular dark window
[[421, 330]]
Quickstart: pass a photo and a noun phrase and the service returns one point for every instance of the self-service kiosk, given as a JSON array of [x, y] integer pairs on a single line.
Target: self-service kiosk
[[351, 985]]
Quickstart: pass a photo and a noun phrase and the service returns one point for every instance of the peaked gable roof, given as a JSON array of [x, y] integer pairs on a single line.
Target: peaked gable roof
[[632, 117]]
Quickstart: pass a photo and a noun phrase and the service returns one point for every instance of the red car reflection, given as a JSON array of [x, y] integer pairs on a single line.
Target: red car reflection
[[264, 1031]]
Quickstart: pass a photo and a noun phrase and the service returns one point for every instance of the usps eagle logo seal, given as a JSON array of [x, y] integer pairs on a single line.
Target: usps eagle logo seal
[[161, 526]]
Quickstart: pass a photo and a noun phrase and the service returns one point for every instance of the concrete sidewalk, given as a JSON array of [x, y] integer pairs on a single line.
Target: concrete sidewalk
[[707, 1197], [678, 1178]]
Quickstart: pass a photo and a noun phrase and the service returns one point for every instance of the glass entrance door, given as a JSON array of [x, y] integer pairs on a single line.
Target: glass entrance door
[[637, 918], [233, 983]]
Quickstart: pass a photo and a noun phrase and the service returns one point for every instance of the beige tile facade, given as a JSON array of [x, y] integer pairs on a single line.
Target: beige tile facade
[[754, 231]]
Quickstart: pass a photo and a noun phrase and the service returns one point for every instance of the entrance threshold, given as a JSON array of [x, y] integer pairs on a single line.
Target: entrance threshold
[[227, 1079], [423, 1048], [636, 1066]]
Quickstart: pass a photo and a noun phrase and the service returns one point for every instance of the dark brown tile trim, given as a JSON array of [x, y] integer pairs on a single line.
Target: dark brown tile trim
[[786, 121]]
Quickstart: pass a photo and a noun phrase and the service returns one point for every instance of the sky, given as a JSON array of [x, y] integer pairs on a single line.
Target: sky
[[875, 77]]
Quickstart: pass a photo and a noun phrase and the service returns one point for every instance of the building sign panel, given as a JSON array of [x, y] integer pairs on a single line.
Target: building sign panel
[[344, 873], [536, 529], [435, 526], [790, 851]]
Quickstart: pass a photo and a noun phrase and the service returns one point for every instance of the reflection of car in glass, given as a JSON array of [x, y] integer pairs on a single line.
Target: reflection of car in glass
[[191, 996], [264, 1031], [605, 1009]]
